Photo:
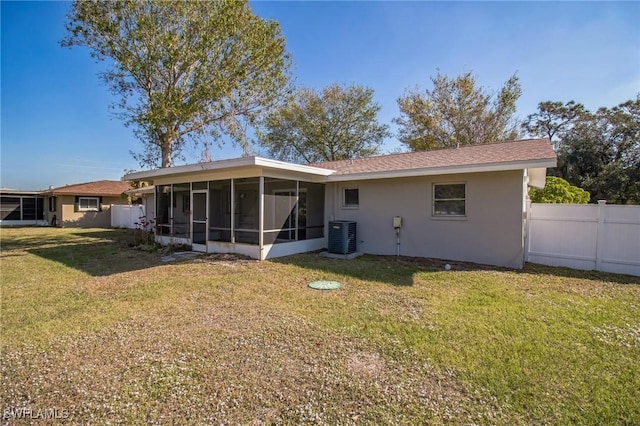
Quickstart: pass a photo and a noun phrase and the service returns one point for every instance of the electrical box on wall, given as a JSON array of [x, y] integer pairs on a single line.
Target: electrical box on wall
[[397, 222]]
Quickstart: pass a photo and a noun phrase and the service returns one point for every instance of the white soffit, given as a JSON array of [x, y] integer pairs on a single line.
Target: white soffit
[[537, 177]]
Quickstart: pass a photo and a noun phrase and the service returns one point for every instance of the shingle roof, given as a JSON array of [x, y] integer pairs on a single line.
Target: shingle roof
[[473, 155], [101, 187]]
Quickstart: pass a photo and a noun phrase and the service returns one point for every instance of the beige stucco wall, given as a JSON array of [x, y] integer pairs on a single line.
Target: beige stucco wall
[[67, 216], [491, 233]]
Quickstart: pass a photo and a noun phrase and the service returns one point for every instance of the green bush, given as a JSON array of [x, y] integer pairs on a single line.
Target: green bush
[[558, 190]]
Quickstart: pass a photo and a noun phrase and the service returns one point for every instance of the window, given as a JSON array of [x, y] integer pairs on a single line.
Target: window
[[88, 204], [52, 204], [350, 197], [449, 199]]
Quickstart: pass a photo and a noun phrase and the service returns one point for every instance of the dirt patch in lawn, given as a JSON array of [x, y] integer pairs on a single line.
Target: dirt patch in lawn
[[366, 363]]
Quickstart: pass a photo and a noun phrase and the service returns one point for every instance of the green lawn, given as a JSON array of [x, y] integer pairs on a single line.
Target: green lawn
[[103, 333]]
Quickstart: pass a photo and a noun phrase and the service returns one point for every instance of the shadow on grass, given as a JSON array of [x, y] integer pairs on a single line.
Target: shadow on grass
[[31, 237], [397, 271], [559, 271], [400, 271], [95, 252], [33, 240], [99, 258]]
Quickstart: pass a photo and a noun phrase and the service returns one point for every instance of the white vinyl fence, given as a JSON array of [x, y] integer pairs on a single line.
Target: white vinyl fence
[[601, 237], [123, 216]]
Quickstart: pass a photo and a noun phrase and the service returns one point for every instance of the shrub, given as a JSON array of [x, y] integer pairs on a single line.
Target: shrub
[[558, 190]]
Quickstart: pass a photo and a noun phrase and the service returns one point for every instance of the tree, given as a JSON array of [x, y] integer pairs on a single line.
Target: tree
[[336, 123], [599, 151], [553, 120], [456, 111], [183, 70], [558, 190]]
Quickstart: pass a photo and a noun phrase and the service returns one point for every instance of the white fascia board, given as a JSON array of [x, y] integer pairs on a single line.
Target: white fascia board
[[292, 167], [190, 168], [431, 171], [145, 190], [19, 192], [227, 164]]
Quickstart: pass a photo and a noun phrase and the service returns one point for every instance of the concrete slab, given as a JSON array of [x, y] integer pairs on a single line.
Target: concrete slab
[[349, 256], [180, 255]]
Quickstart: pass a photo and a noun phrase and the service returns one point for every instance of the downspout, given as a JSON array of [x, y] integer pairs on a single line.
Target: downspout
[[336, 200]]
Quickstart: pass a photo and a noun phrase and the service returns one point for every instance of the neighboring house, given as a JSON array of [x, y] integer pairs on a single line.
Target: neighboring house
[[21, 208], [465, 204], [85, 205]]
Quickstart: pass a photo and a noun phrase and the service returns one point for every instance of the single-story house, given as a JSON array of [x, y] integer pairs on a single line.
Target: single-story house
[[464, 204], [85, 205], [21, 208]]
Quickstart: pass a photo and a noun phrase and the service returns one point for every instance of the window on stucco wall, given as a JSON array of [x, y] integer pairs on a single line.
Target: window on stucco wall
[[350, 198], [88, 204], [449, 200]]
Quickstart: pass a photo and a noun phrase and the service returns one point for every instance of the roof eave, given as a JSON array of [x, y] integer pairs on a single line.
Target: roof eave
[[234, 163], [448, 170], [83, 194], [144, 190], [18, 192]]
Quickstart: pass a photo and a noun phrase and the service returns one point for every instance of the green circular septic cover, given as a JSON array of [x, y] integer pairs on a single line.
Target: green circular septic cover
[[325, 285]]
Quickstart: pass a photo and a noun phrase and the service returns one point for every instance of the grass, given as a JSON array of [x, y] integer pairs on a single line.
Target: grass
[[110, 334]]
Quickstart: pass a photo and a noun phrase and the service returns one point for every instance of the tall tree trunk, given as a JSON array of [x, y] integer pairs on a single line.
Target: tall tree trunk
[[166, 145]]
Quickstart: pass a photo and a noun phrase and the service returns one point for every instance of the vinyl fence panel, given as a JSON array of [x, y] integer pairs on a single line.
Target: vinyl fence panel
[[123, 216], [592, 237]]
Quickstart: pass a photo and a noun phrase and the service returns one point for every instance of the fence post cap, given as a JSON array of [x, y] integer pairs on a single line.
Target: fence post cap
[[601, 202]]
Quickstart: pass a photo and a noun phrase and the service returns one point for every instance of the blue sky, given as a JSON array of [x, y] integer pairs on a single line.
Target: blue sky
[[57, 129]]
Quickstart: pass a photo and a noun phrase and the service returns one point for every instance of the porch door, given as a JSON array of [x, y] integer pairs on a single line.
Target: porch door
[[199, 221], [291, 230]]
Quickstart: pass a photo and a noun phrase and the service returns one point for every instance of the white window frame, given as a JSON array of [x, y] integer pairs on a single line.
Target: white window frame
[[344, 197], [89, 209], [448, 215]]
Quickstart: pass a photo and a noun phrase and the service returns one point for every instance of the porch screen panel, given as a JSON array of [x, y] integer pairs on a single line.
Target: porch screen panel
[[199, 214], [28, 208], [279, 210], [181, 211], [220, 210], [39, 208], [311, 211], [163, 219], [9, 208], [246, 201]]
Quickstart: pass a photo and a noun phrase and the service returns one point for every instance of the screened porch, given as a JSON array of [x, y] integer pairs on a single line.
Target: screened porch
[[260, 216]]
